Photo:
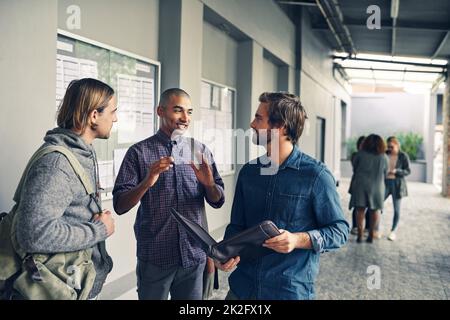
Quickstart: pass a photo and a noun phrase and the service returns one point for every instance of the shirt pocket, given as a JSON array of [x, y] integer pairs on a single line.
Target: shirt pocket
[[191, 187], [293, 210]]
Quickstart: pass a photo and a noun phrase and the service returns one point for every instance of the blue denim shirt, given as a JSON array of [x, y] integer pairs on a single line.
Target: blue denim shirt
[[300, 197]]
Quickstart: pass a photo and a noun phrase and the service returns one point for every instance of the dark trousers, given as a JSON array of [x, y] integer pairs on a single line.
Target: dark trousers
[[155, 283], [355, 225]]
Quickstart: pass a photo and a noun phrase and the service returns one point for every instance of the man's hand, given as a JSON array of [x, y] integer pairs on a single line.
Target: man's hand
[[156, 168], [203, 173], [205, 177], [107, 220], [283, 243], [392, 171], [227, 266]]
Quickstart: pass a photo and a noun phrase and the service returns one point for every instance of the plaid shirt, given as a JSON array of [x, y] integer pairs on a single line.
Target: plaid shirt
[[160, 240]]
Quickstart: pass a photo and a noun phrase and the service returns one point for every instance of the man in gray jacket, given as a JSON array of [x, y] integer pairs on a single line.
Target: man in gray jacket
[[55, 214]]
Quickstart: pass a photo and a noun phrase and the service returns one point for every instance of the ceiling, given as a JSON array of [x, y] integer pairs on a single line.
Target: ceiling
[[413, 31], [421, 27]]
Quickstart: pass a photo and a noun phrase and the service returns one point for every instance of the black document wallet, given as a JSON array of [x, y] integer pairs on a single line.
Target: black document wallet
[[246, 244]]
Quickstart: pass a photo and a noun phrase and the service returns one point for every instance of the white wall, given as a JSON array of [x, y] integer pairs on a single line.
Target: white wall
[[131, 25], [219, 56], [321, 95], [392, 112], [263, 21], [27, 85], [270, 76], [398, 112]]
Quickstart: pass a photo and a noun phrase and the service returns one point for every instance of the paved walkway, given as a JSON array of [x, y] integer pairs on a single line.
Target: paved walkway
[[415, 266]]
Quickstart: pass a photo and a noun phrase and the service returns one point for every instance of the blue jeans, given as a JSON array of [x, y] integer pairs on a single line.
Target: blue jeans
[[155, 283], [390, 190]]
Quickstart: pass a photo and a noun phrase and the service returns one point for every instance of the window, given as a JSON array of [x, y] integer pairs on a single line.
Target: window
[[217, 111]]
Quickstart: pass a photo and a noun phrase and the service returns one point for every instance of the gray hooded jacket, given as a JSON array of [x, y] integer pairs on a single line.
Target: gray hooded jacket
[[55, 214]]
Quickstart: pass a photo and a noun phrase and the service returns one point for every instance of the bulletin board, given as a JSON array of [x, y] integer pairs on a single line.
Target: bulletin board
[[136, 82]]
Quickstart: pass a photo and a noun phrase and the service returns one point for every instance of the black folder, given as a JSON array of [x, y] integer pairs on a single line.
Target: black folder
[[246, 244]]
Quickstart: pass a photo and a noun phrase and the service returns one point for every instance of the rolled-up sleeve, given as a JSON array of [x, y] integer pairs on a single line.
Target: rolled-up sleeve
[[128, 176], [333, 229]]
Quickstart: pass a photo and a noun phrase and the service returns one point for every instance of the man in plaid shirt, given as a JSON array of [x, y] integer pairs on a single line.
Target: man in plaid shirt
[[160, 173]]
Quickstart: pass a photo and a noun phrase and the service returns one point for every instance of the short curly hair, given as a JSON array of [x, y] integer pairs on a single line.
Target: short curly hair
[[374, 144]]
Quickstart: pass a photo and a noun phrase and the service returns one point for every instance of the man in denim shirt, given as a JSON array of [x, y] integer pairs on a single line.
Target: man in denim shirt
[[299, 196]]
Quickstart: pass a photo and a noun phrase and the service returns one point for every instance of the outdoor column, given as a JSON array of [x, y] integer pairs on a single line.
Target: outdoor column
[[446, 138]]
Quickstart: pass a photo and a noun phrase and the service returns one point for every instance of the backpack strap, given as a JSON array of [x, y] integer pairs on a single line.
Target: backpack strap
[[76, 165]]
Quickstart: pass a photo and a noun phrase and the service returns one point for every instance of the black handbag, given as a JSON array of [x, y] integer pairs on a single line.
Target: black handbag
[[246, 244]]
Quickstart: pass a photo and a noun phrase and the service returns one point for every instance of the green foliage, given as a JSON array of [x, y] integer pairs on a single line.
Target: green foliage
[[410, 143], [351, 146]]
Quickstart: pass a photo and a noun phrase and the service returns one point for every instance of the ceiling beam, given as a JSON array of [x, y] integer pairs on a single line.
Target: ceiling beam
[[395, 6], [394, 62], [393, 70], [393, 37], [332, 13], [299, 3], [387, 25], [441, 45]]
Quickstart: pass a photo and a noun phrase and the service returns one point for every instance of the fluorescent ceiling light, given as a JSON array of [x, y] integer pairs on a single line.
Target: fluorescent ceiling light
[[411, 59], [373, 56], [382, 57], [358, 80], [439, 62], [341, 54]]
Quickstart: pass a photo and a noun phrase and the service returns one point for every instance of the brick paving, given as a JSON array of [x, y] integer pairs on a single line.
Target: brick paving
[[415, 266]]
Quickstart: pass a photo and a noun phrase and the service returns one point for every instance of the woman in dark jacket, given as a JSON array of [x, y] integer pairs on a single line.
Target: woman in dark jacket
[[354, 224], [367, 187], [395, 180]]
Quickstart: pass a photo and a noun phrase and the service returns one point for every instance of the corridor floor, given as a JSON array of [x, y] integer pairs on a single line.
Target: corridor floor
[[415, 266]]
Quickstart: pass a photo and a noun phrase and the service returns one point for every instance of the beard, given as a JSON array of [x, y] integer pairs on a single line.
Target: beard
[[261, 138]]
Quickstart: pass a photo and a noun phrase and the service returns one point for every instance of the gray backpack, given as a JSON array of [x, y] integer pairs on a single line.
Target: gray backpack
[[59, 276]]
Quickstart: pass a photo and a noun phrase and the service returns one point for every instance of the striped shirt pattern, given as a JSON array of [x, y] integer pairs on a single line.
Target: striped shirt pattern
[[160, 240]]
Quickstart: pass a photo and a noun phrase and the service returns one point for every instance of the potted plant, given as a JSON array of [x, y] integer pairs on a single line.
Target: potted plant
[[411, 144]]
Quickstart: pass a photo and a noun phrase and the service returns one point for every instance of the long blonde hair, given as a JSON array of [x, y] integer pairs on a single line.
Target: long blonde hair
[[394, 140], [82, 97]]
